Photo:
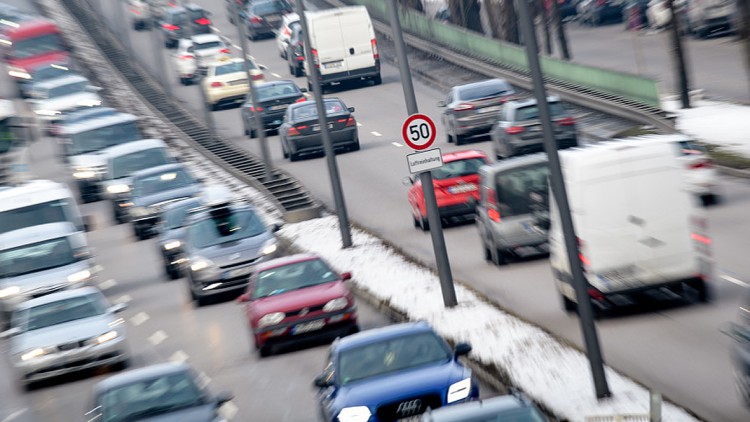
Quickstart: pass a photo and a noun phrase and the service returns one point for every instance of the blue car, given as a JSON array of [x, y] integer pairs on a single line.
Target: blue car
[[393, 373]]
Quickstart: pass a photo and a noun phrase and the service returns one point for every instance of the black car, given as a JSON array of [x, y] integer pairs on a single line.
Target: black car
[[597, 12], [740, 353], [174, 24], [165, 391], [264, 17], [274, 98], [300, 132], [295, 50]]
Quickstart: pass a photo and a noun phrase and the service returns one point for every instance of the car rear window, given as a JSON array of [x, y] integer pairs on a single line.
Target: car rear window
[[269, 7], [277, 90], [692, 148], [458, 168], [233, 67], [513, 189], [208, 44], [309, 111], [493, 89], [532, 112]]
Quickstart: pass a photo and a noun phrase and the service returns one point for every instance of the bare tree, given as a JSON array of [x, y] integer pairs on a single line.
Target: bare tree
[[562, 39], [509, 22], [466, 13], [543, 14], [744, 32]]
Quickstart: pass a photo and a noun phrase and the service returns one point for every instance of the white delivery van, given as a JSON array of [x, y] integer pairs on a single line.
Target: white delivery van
[[640, 232], [343, 45]]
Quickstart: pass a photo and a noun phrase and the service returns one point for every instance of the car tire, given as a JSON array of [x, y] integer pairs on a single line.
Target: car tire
[[487, 252], [459, 140], [252, 133], [309, 86], [172, 272], [498, 256], [214, 107], [297, 72], [449, 138], [415, 221], [116, 216], [568, 305], [292, 70], [709, 199], [123, 364], [283, 150], [293, 156], [265, 351], [377, 80], [424, 223], [355, 146]]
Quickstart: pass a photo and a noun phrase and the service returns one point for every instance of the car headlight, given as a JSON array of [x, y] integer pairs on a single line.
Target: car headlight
[[459, 390], [199, 264], [139, 211], [44, 112], [90, 103], [354, 414], [17, 72], [36, 352], [115, 189], [271, 319], [270, 247], [9, 291], [108, 336], [335, 304], [84, 173], [173, 245], [79, 276]]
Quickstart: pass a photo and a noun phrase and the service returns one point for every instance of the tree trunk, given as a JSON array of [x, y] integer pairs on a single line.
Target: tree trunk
[[561, 37], [744, 31], [544, 17], [679, 58], [465, 13], [509, 23]]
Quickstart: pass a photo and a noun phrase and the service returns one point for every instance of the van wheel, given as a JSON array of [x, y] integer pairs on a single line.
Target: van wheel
[[568, 304], [702, 290], [377, 80], [459, 139]]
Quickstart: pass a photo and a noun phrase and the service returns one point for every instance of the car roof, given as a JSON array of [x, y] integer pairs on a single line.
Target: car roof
[[286, 260], [524, 102], [33, 192], [87, 113], [146, 372], [158, 169], [189, 202], [204, 38], [493, 406], [133, 146], [62, 80], [308, 103], [482, 83], [377, 335], [38, 233], [59, 295], [515, 162], [462, 155], [99, 122]]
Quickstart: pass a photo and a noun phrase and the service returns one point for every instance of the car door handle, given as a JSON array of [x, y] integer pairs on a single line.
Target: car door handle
[[351, 51]]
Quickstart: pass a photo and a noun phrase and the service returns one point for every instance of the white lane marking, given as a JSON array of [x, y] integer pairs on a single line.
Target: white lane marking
[[359, 124], [215, 29], [250, 57], [179, 356], [107, 284], [98, 268], [237, 46], [376, 133], [276, 75], [203, 380], [229, 410], [123, 299], [14, 415], [139, 318], [157, 337], [736, 281], [396, 144]]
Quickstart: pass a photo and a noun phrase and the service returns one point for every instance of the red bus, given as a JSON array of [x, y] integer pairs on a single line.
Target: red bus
[[32, 43]]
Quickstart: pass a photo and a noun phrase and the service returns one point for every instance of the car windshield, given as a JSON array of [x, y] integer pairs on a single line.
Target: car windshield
[[485, 90], [31, 47], [162, 182], [127, 164], [177, 18], [54, 211], [513, 189], [63, 90], [310, 111], [232, 67], [208, 44], [59, 312], [87, 113], [391, 355], [197, 14], [175, 217], [293, 277], [267, 92], [103, 137], [36, 257], [49, 72], [532, 112], [225, 227], [269, 7], [458, 168], [146, 398]]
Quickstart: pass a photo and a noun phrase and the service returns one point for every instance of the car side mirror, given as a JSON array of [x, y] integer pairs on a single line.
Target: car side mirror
[[441, 104], [276, 227], [303, 90], [10, 332], [117, 308], [346, 275], [407, 181], [351, 109], [243, 298], [92, 88], [462, 349], [322, 381], [223, 397], [262, 67]]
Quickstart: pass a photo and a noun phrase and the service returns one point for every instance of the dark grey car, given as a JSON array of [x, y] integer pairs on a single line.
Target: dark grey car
[[174, 23], [263, 18], [171, 234], [158, 393], [155, 188], [512, 407], [472, 109], [519, 130], [274, 98], [300, 132]]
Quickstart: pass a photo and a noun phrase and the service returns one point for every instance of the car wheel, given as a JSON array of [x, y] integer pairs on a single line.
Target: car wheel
[[116, 215], [487, 251], [459, 139], [498, 256], [250, 36], [568, 305], [297, 71], [709, 199], [424, 223], [252, 133], [214, 107], [137, 232], [377, 80], [355, 146], [265, 351], [292, 70], [122, 365], [449, 138], [142, 234], [172, 272], [415, 221], [293, 156]]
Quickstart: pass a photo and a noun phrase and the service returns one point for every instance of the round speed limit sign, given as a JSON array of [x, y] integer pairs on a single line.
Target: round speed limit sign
[[418, 131]]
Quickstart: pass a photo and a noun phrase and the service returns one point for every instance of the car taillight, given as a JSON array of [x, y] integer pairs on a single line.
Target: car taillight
[[700, 238], [203, 21], [595, 294], [514, 130], [316, 60], [170, 27], [582, 254], [566, 121], [463, 106], [216, 84], [493, 214], [187, 56], [136, 11], [257, 77], [294, 130], [225, 51], [301, 100], [703, 164], [300, 58], [350, 121], [253, 109], [256, 19], [374, 44]]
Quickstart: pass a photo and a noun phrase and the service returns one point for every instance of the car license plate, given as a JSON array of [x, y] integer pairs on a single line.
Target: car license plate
[[463, 188], [489, 109], [333, 65], [239, 272], [306, 327], [278, 107], [316, 128]]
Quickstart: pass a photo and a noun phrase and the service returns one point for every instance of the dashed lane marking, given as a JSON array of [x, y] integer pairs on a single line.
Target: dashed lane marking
[[123, 299], [203, 380], [229, 410], [107, 284], [179, 356], [157, 337], [14, 415], [396, 144], [139, 318], [736, 281], [376, 133], [276, 75], [359, 124]]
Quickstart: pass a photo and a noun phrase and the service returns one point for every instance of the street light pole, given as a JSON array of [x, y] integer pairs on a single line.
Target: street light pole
[[313, 78], [433, 216], [558, 190], [267, 168]]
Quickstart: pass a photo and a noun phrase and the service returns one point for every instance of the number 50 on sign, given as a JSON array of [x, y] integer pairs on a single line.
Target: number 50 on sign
[[418, 131]]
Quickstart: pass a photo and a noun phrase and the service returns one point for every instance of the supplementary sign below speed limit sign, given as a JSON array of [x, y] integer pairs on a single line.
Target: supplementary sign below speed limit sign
[[418, 131]]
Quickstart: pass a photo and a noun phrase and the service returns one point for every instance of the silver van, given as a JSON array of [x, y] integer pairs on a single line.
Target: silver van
[[513, 207]]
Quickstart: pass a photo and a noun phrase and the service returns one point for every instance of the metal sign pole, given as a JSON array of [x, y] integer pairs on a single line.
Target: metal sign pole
[[338, 196], [558, 190], [267, 166], [433, 216]]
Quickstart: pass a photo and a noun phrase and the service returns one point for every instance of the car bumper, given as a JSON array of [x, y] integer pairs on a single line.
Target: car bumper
[[145, 224], [340, 139], [368, 72], [261, 29], [334, 323], [528, 144], [231, 94], [476, 124]]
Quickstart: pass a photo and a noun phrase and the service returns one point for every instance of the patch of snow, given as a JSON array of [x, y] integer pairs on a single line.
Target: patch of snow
[[714, 122]]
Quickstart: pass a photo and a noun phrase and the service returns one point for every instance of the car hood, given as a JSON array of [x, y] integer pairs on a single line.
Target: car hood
[[236, 251], [68, 332], [202, 413], [401, 385], [297, 299], [45, 279], [66, 102], [89, 159], [184, 192], [170, 235]]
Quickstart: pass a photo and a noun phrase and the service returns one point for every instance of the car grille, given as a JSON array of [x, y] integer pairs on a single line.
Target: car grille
[[239, 264], [408, 407], [73, 365], [41, 291], [309, 309], [71, 345]]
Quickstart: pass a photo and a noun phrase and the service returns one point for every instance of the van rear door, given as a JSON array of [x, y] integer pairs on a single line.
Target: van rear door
[[359, 39], [329, 43]]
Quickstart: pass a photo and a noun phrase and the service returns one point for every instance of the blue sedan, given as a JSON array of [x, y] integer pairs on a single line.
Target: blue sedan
[[393, 373]]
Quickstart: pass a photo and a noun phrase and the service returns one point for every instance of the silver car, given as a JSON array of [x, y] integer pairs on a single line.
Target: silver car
[[519, 130], [42, 259], [513, 208], [65, 332]]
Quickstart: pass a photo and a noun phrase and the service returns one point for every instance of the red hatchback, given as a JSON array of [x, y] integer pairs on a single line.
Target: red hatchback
[[455, 187], [297, 297]]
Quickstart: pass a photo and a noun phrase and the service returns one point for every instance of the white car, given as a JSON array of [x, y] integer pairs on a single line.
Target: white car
[[658, 14], [226, 82], [208, 48], [285, 32], [184, 61], [50, 99], [140, 14]]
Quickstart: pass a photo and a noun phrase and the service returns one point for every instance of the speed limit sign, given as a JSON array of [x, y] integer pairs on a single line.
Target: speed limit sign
[[418, 131]]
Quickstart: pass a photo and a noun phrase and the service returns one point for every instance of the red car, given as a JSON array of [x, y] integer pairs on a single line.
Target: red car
[[297, 297], [455, 185]]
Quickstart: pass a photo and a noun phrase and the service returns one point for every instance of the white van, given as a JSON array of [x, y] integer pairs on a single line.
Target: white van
[[38, 202], [343, 45], [640, 232]]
